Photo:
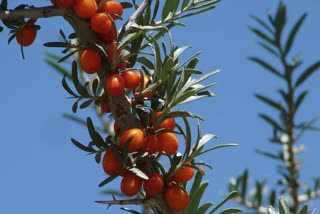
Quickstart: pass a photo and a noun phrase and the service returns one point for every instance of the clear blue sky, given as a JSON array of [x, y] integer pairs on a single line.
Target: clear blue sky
[[42, 172]]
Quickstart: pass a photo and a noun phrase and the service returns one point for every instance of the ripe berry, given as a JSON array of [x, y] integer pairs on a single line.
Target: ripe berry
[[85, 8], [114, 8], [151, 145], [101, 23], [137, 139], [115, 85], [168, 143], [110, 36], [131, 79], [183, 175], [26, 35], [90, 60], [154, 185], [111, 165], [176, 198], [130, 184], [168, 123]]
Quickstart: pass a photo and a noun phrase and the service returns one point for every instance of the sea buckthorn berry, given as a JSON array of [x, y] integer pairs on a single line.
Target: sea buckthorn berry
[[176, 198], [105, 107], [111, 165], [101, 23], [130, 184], [85, 8], [151, 145], [115, 85], [26, 35], [63, 3], [131, 79], [110, 36], [146, 81], [154, 185], [137, 139], [114, 8], [183, 175], [90, 60], [168, 143], [168, 123]]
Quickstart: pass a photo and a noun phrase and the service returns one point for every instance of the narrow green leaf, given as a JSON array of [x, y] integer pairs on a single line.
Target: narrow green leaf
[[231, 210], [67, 88], [203, 208], [268, 154], [130, 210], [155, 10], [263, 24], [167, 9], [109, 179], [307, 73], [283, 206], [227, 198], [272, 198], [300, 99], [267, 66], [269, 49], [217, 147], [244, 184], [280, 20], [86, 103], [314, 211], [271, 103], [195, 199], [81, 146], [262, 36], [197, 12], [271, 121], [184, 4], [293, 33], [196, 183], [258, 195], [304, 209], [139, 173]]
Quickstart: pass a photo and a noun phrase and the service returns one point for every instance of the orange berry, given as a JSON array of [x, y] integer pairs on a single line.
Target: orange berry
[[111, 165], [131, 79], [130, 184], [101, 23], [26, 35], [151, 145], [183, 175], [114, 8], [85, 8], [154, 185], [168, 123], [90, 60], [137, 139], [115, 85], [176, 198], [110, 36], [168, 143]]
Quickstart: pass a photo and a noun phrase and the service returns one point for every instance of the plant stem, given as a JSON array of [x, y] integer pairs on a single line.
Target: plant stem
[[291, 162]]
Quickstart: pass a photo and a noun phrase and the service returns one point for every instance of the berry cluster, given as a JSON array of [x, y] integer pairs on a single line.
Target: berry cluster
[[135, 148], [152, 143]]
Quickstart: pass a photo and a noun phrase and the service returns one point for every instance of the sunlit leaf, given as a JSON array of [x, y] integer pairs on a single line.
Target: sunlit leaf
[[220, 204]]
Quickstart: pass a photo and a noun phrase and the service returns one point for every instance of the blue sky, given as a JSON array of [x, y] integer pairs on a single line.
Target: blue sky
[[42, 172]]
